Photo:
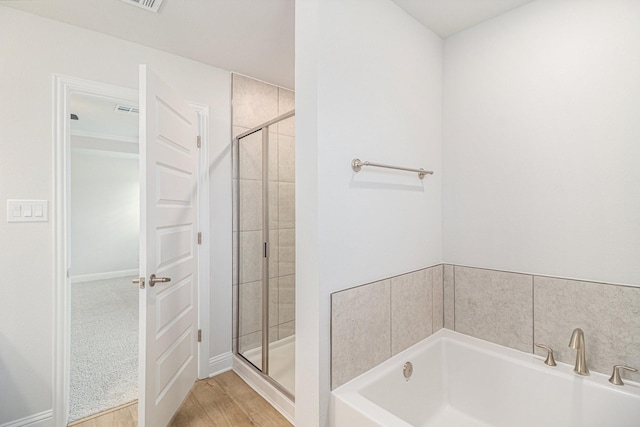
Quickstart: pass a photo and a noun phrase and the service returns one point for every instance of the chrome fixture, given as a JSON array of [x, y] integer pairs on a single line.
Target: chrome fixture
[[615, 376], [407, 370], [266, 300], [153, 280], [139, 281], [577, 342], [266, 124], [550, 360], [357, 164]]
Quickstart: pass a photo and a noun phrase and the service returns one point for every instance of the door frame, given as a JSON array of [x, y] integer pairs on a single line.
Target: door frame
[[63, 87]]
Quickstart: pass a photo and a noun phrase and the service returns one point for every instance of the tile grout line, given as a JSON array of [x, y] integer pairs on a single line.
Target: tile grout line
[[454, 298], [533, 314], [433, 305], [390, 319], [433, 321], [432, 300], [430, 282], [331, 327], [442, 276]]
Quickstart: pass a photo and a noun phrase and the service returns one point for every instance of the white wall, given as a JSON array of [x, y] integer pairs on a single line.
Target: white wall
[[541, 134], [105, 212], [32, 50], [368, 85]]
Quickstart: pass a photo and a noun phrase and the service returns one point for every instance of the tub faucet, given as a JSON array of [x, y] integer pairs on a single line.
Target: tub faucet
[[577, 342]]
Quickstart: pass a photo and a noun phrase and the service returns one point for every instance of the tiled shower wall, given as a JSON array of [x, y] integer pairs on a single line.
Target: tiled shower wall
[[254, 103], [510, 309]]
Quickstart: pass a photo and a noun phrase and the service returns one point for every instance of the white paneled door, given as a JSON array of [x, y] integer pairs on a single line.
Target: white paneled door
[[168, 251]]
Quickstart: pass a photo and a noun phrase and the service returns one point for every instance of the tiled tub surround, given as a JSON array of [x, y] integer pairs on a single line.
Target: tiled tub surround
[[511, 388], [254, 103], [372, 322], [609, 316], [518, 310], [494, 306]]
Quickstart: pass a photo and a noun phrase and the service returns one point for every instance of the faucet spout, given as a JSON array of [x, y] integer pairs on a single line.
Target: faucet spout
[[577, 342]]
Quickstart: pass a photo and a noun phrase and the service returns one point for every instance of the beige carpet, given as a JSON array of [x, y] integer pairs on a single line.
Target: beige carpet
[[104, 346]]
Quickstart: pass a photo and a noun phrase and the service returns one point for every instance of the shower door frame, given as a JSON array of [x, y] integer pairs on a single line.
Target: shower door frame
[[264, 128]]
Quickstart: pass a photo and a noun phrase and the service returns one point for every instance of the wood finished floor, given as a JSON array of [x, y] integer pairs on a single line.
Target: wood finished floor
[[224, 400]]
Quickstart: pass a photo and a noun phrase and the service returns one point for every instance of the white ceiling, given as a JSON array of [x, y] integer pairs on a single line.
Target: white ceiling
[[446, 17], [252, 37], [97, 118]]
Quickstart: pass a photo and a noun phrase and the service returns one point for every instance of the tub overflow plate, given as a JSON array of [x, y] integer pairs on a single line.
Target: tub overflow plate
[[407, 370]]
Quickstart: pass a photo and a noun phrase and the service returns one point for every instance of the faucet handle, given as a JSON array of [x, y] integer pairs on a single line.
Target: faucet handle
[[615, 376], [550, 359]]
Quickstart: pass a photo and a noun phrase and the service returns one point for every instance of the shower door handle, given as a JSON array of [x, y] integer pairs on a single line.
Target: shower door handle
[[153, 280]]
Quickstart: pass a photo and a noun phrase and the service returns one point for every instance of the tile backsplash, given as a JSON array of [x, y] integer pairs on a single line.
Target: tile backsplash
[[609, 315], [494, 306], [361, 330], [372, 322]]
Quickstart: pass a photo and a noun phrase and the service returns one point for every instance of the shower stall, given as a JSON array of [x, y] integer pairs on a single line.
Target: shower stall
[[264, 250]]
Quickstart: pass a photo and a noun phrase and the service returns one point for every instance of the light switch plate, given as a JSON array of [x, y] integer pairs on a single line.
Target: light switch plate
[[27, 210]]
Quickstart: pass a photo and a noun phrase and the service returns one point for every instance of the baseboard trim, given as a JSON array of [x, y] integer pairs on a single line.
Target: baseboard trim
[[103, 276], [220, 363], [42, 419], [275, 397]]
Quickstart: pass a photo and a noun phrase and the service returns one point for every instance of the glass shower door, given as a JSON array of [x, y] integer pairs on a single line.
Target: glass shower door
[[252, 247], [264, 239]]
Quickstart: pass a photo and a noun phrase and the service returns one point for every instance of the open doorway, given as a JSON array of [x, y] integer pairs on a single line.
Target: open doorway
[[104, 241], [173, 297]]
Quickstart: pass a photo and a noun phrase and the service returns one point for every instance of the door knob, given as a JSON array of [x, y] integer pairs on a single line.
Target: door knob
[[140, 281], [153, 280]]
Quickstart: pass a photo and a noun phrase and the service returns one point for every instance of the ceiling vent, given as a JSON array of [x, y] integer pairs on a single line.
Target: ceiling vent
[[126, 109], [150, 5]]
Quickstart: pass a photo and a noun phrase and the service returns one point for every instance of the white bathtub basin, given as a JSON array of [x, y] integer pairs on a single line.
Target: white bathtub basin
[[460, 381]]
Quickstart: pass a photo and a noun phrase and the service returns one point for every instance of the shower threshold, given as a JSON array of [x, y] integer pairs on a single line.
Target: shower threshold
[[281, 361]]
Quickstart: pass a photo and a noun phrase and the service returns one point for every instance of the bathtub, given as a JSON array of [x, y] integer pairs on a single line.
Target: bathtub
[[460, 381]]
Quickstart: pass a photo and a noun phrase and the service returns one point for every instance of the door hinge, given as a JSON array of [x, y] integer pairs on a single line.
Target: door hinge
[[199, 237], [199, 335], [266, 249], [198, 141]]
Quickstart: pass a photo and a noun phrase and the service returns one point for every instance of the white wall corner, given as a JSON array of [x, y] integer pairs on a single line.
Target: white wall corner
[[220, 363]]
